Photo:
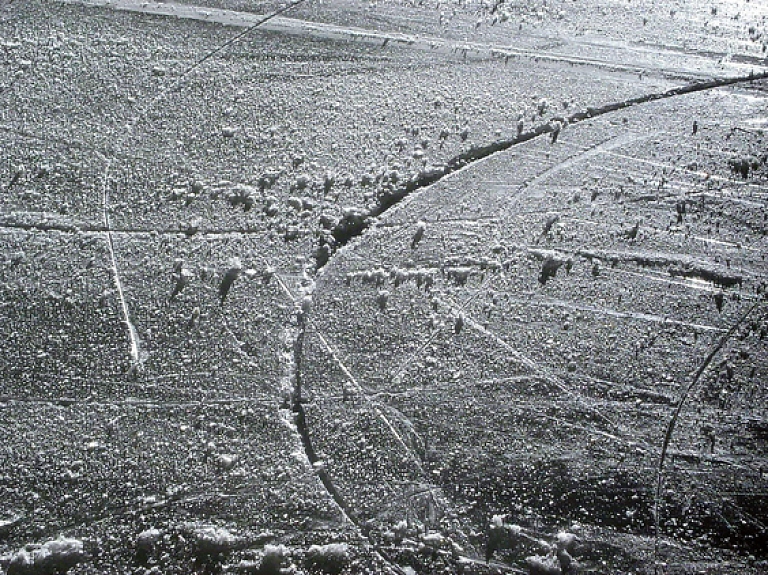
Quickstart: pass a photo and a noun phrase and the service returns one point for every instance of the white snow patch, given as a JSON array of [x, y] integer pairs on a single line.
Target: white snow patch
[[212, 540], [329, 558], [147, 539], [55, 556]]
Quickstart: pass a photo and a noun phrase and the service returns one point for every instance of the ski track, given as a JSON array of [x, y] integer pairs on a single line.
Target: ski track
[[405, 365], [585, 154], [364, 392], [645, 317]]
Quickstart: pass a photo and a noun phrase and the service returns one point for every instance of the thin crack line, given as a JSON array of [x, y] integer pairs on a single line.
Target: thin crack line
[[673, 420], [625, 170], [137, 356], [285, 288], [88, 228], [69, 143], [542, 371], [582, 154], [632, 315], [673, 168], [660, 277], [192, 67]]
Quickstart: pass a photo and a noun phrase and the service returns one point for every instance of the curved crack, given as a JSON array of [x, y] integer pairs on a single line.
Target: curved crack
[[675, 416], [349, 229], [355, 224], [300, 420]]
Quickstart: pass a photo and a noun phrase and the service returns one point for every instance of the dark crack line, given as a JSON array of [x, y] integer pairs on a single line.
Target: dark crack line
[[304, 433], [355, 225], [300, 420], [309, 449], [675, 416], [89, 228]]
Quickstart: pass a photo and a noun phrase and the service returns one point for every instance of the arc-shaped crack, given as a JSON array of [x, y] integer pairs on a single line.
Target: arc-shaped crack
[[676, 415], [354, 225], [348, 230]]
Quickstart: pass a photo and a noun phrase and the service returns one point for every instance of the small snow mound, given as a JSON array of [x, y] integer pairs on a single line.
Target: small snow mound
[[147, 539], [56, 556], [145, 544], [548, 565], [331, 558], [567, 541], [275, 551], [382, 298], [302, 181], [212, 540], [433, 540], [226, 461], [401, 528]]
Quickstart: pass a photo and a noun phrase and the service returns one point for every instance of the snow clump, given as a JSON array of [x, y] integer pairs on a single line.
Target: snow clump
[[331, 558], [55, 556], [211, 540]]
